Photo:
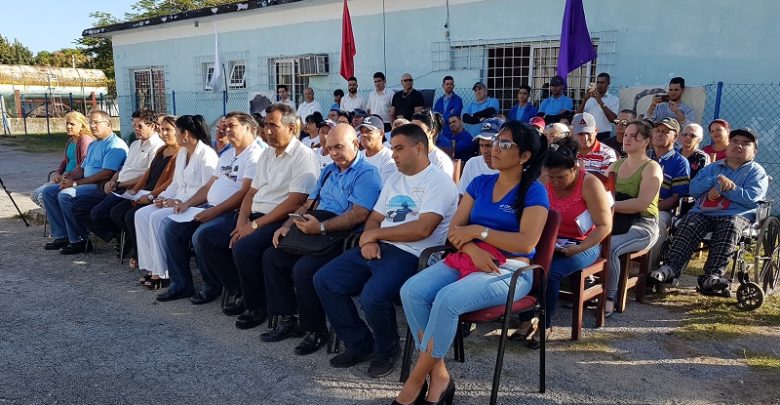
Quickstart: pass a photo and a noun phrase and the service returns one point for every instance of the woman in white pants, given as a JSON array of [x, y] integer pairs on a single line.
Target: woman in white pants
[[195, 164]]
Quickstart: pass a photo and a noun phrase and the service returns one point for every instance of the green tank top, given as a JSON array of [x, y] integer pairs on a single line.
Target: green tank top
[[630, 186]]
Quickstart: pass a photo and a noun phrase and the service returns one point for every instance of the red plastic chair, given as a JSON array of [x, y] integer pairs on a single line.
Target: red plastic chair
[[535, 301]]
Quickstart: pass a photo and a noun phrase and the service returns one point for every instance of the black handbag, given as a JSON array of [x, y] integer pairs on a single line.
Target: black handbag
[[298, 243], [621, 223]]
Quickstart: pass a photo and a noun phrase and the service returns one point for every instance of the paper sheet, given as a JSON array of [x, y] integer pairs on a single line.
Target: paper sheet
[[186, 216], [132, 197]]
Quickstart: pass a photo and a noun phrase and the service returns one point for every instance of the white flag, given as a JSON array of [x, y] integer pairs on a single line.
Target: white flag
[[217, 82]]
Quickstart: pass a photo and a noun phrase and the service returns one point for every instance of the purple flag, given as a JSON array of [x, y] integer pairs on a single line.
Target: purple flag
[[576, 47]]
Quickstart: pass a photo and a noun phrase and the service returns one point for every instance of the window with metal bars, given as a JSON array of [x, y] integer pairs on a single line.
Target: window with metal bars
[[149, 89]]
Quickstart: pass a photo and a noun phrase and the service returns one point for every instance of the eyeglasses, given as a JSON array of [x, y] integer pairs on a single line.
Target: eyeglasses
[[622, 123], [503, 144], [688, 135], [96, 123], [407, 80]]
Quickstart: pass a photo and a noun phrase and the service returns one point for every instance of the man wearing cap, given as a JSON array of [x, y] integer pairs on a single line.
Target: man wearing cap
[[407, 101], [449, 104], [727, 193], [482, 108], [538, 123], [380, 98], [677, 178], [371, 140], [616, 142], [557, 103], [353, 100], [601, 105], [309, 104], [479, 166], [457, 142], [674, 108], [358, 115], [593, 156]]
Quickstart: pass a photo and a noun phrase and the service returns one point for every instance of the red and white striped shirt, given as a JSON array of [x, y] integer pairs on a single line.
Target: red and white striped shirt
[[598, 159]]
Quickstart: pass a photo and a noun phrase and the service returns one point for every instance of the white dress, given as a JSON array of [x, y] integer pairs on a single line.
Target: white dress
[[187, 179]]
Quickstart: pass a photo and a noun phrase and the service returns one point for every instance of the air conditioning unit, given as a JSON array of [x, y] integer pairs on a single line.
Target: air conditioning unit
[[313, 65]]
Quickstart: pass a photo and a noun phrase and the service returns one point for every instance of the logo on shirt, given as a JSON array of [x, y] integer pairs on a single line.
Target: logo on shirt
[[399, 207], [508, 209], [230, 171]]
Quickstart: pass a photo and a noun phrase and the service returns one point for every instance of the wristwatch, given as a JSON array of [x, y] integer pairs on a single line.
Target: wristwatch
[[75, 184], [484, 234], [322, 228], [254, 224]]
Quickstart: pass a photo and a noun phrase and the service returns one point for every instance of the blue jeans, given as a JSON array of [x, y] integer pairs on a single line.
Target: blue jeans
[[377, 282], [562, 267], [59, 209], [435, 298]]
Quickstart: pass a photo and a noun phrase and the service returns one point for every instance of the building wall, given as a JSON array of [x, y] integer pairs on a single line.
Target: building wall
[[718, 40]]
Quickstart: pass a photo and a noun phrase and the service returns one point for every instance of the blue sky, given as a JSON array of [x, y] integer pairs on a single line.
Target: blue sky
[[54, 24]]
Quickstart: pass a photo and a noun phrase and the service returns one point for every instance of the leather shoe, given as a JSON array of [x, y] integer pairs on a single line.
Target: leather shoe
[[234, 308], [250, 318], [286, 328], [312, 342], [56, 244], [78, 247], [382, 366], [170, 295], [349, 359], [200, 298]]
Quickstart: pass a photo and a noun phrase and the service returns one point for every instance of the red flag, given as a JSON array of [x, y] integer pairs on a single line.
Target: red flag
[[347, 45]]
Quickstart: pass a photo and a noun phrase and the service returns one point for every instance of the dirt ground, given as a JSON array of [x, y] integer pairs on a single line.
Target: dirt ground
[[79, 330]]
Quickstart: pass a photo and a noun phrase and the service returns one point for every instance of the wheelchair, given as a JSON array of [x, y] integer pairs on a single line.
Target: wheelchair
[[755, 263]]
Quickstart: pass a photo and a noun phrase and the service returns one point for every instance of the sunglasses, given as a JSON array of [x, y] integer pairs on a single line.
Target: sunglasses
[[407, 80], [622, 123], [503, 144]]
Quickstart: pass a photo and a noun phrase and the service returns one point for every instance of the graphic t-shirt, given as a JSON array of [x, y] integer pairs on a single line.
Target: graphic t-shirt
[[404, 198], [231, 172]]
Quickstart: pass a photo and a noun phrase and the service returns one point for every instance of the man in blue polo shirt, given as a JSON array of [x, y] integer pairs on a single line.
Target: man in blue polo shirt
[[105, 156], [479, 110], [347, 189], [677, 178], [449, 104], [557, 103], [727, 193]]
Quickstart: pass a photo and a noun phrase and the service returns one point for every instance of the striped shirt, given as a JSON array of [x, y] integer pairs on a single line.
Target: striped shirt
[[677, 173], [598, 159]]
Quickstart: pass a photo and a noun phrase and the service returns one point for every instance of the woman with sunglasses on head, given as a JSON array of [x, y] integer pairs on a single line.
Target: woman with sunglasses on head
[[719, 132], [431, 123], [635, 223], [499, 220], [195, 164], [586, 220], [690, 137]]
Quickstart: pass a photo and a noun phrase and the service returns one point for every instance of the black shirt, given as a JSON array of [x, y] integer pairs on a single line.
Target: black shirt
[[405, 103]]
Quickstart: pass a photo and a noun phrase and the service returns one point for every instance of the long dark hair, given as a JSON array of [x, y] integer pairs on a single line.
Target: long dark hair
[[528, 140], [196, 125], [432, 120]]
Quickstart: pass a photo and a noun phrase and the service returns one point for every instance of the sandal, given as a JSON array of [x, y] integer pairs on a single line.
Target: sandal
[[133, 263], [526, 329], [157, 283], [146, 277], [534, 343]]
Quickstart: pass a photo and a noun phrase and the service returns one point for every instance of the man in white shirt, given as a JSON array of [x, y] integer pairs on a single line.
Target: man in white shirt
[[478, 166], [286, 174], [380, 98], [219, 198], [601, 105], [352, 100], [371, 140], [93, 211], [284, 96], [412, 213], [309, 104]]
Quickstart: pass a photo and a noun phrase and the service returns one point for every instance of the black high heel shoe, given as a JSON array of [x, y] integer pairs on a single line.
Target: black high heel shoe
[[446, 397], [157, 283], [420, 396]]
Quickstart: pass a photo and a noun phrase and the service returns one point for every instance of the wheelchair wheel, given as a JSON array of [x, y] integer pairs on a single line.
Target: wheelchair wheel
[[750, 296], [770, 273], [765, 246]]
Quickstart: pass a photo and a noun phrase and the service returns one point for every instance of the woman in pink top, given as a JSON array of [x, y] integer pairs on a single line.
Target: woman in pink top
[[719, 132], [586, 220]]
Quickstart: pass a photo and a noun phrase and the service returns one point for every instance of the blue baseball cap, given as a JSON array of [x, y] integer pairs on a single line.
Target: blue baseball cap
[[489, 129]]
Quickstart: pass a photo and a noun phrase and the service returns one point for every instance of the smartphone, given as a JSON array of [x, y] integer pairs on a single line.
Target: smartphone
[[592, 87], [664, 98], [296, 216]]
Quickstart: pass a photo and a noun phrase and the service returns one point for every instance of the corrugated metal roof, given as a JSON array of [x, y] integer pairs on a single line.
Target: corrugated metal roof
[[23, 75]]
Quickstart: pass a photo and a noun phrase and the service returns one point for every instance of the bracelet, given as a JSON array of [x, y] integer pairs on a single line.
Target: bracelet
[[322, 228]]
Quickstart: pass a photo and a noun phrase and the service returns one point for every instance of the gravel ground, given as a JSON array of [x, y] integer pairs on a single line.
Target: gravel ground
[[79, 330]]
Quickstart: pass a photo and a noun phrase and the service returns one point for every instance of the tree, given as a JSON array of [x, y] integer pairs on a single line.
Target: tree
[[99, 50], [156, 8], [14, 53], [67, 57]]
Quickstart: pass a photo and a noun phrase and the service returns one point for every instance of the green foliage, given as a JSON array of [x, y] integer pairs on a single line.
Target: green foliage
[[99, 50], [14, 53], [156, 8]]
